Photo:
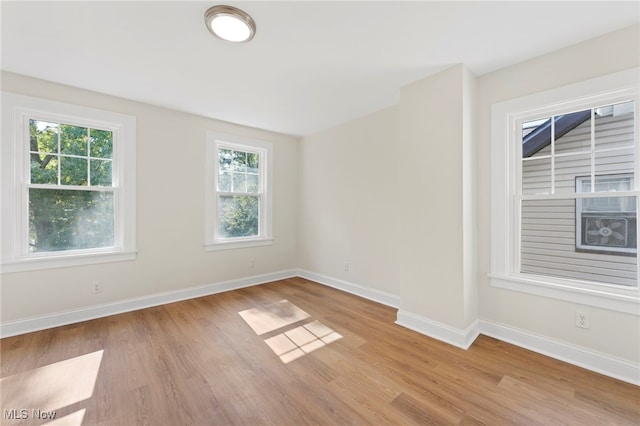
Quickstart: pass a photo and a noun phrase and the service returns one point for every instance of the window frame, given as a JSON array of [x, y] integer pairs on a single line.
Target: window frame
[[214, 142], [505, 181], [17, 110]]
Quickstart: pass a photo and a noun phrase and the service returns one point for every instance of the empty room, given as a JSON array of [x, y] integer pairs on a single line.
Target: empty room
[[319, 212]]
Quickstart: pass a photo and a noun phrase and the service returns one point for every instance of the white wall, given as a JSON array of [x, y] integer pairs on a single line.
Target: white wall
[[434, 143], [611, 333], [392, 194], [170, 214], [469, 198], [349, 202]]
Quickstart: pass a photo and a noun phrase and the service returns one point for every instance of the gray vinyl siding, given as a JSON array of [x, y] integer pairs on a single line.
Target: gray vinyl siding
[[548, 243]]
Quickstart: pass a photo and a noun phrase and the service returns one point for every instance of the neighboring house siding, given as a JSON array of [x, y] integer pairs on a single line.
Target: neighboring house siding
[[548, 226]]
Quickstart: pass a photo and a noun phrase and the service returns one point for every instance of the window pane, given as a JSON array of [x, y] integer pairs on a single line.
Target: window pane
[[101, 172], [253, 162], [73, 140], [536, 176], [238, 216], [573, 132], [101, 143], [43, 136], [224, 182], [619, 161], [44, 169], [614, 126], [567, 168], [605, 183], [252, 183], [536, 138], [239, 182], [67, 220], [239, 161], [224, 158], [609, 204], [73, 171], [613, 183], [548, 245]]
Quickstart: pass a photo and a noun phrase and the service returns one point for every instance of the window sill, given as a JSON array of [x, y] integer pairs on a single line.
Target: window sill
[[611, 297], [65, 261], [230, 245]]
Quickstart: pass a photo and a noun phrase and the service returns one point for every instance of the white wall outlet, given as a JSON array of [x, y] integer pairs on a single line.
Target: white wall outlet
[[346, 266], [96, 287], [252, 263], [582, 319]]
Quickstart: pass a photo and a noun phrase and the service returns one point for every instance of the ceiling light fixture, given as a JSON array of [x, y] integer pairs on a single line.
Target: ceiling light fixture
[[230, 23]]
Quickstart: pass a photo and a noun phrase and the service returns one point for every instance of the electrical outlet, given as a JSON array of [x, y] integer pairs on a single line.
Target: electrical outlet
[[96, 287], [346, 266], [582, 320], [252, 263]]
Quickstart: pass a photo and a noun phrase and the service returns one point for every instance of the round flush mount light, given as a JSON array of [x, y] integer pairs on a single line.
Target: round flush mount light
[[230, 23]]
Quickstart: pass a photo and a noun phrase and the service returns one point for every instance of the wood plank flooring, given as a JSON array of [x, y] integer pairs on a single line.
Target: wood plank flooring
[[198, 362]]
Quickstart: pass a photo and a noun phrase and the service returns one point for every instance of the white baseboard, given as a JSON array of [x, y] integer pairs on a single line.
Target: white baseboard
[[463, 338], [365, 292], [582, 357], [27, 325], [443, 332]]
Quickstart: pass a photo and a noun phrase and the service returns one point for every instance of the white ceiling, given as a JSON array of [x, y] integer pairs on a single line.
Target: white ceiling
[[311, 65]]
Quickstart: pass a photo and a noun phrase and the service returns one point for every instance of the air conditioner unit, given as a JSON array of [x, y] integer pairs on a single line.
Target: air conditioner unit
[[606, 231], [612, 232]]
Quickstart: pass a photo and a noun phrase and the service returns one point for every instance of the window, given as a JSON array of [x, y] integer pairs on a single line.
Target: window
[[68, 187], [238, 192], [606, 225], [565, 193], [562, 155]]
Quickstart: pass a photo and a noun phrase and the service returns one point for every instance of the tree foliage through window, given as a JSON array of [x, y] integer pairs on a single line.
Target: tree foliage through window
[[238, 193], [71, 202]]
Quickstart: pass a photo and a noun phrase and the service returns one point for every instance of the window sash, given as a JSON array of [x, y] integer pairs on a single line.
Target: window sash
[[219, 206], [85, 222], [221, 194], [593, 153], [25, 250]]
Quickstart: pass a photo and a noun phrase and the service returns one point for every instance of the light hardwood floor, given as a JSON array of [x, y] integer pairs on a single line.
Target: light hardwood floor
[[199, 362]]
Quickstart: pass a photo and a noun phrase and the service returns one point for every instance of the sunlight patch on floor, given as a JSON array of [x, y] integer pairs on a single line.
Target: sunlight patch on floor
[[52, 387], [290, 344], [302, 340], [273, 316]]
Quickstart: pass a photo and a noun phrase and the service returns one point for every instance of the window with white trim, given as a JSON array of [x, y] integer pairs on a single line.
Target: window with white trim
[[565, 193], [238, 192], [68, 185]]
